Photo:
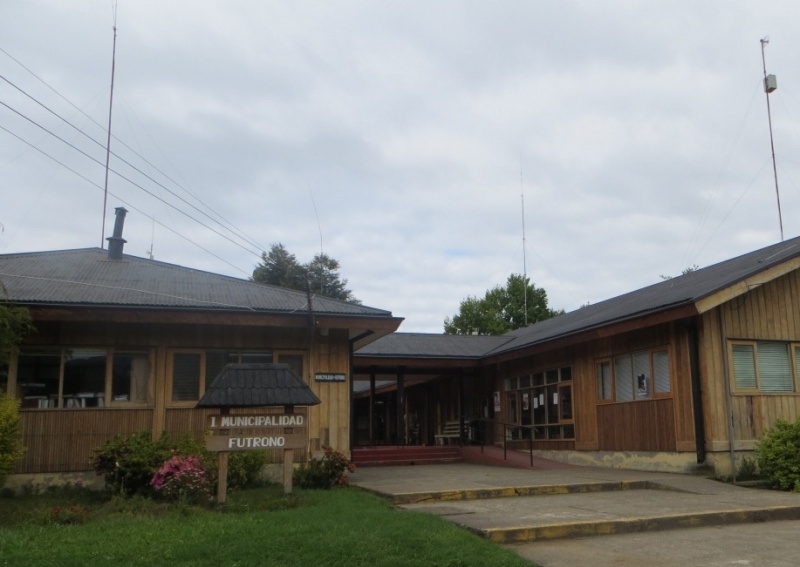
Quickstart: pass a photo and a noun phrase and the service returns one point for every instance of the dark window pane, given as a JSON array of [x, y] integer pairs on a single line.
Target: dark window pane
[[130, 378], [37, 378], [185, 377], [84, 378]]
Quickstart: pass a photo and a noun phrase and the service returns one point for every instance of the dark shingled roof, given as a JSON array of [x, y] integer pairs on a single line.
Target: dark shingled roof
[[87, 277], [422, 345], [673, 293], [257, 385]]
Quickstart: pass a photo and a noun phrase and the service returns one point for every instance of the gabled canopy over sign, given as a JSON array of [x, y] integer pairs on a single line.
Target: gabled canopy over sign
[[257, 385]]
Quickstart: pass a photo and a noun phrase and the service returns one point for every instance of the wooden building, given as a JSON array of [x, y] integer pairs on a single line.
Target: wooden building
[[690, 371], [126, 344]]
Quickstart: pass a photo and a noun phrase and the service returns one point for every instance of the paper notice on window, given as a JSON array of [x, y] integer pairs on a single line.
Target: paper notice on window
[[541, 399], [536, 403], [555, 399]]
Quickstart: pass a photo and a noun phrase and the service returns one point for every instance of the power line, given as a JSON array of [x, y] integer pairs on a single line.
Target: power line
[[118, 174], [175, 232], [126, 162], [231, 227]]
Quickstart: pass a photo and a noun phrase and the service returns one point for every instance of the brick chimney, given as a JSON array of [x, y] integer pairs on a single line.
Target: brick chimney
[[116, 243]]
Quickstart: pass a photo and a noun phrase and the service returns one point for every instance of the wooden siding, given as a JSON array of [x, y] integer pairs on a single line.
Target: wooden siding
[[62, 440], [674, 427], [49, 433], [770, 311], [637, 426]]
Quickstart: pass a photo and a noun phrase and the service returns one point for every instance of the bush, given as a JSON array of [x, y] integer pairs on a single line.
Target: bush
[[183, 479], [244, 469], [11, 448], [129, 462], [779, 455], [326, 472]]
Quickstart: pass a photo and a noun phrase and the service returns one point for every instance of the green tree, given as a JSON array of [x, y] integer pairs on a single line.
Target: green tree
[[280, 267], [11, 448], [321, 275], [15, 323], [502, 309]]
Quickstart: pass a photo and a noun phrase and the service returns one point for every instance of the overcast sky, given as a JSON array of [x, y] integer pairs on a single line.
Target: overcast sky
[[400, 137]]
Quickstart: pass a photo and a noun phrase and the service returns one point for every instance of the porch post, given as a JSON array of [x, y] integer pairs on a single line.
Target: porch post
[[400, 429], [372, 406]]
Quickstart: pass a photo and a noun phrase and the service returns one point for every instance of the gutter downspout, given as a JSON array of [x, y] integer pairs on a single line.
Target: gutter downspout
[[697, 393]]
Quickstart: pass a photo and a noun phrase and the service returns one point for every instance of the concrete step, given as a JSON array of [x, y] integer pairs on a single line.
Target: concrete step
[[405, 455]]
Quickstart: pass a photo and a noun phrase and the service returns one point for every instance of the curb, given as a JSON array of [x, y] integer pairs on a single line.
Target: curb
[[527, 534], [511, 491]]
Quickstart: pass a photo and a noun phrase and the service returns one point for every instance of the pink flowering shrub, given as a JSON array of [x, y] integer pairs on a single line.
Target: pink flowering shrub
[[183, 478]]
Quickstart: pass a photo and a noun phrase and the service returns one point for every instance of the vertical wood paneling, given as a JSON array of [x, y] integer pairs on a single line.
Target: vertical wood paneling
[[767, 312], [637, 426], [63, 440]]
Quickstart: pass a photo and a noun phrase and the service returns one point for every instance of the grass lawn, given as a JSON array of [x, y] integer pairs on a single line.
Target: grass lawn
[[344, 527]]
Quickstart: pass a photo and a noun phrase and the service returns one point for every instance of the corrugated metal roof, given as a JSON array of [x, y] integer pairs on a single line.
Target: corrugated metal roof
[[424, 345], [88, 277], [257, 385], [681, 290]]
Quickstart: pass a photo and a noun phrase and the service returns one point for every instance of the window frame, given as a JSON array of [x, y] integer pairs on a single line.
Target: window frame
[[59, 396], [793, 360], [653, 393], [201, 387]]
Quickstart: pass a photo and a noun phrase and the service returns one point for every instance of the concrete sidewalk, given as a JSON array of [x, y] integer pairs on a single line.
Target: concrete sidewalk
[[547, 509]]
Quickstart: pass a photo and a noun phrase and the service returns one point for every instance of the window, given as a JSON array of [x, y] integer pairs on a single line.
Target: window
[[192, 371], [130, 378], [542, 402], [187, 378], [604, 382], [634, 376], [295, 362], [765, 366], [82, 378]]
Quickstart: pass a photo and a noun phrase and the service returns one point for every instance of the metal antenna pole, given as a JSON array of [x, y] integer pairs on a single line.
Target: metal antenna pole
[[770, 85], [108, 140], [524, 254]]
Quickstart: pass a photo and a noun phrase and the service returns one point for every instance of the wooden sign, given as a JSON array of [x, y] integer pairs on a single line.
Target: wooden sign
[[321, 377], [257, 441], [295, 420]]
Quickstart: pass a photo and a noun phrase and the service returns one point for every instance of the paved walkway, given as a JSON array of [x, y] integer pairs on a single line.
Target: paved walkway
[[574, 515]]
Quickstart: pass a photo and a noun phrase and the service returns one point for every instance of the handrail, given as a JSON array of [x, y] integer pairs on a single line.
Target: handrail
[[478, 437]]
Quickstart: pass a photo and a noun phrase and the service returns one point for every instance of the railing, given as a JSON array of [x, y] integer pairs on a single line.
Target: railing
[[482, 432]]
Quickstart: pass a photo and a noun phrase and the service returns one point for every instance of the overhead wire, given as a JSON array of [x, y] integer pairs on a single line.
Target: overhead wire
[[234, 229], [68, 168], [121, 176], [126, 162]]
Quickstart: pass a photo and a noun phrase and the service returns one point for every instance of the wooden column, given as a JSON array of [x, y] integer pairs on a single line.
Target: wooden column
[[372, 407], [400, 429]]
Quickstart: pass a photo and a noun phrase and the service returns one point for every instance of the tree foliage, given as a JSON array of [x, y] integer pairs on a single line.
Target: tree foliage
[[11, 448], [15, 323], [501, 309], [320, 275]]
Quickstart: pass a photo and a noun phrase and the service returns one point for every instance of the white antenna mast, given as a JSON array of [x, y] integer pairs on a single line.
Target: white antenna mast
[[771, 84], [108, 140], [152, 238], [524, 254]]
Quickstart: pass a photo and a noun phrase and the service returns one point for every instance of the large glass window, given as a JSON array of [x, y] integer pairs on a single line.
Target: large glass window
[[82, 378], [633, 376], [542, 404], [130, 378], [765, 366]]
